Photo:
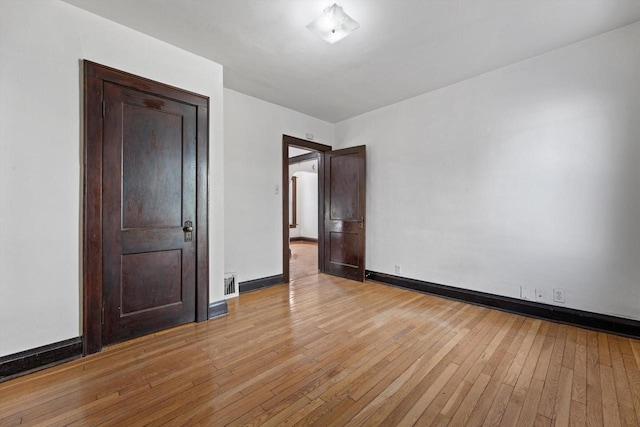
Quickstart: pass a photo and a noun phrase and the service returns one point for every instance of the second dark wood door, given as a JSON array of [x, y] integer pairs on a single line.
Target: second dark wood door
[[149, 206], [344, 212]]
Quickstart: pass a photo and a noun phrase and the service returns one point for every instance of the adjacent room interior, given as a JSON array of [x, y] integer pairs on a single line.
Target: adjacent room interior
[[303, 213]]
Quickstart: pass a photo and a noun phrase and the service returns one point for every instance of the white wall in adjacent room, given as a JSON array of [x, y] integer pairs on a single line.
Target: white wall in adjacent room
[[294, 231], [253, 132], [41, 49], [524, 176], [306, 174], [308, 196]]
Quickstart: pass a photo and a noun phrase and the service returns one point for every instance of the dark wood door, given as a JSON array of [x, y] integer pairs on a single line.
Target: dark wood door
[[149, 213], [344, 212]]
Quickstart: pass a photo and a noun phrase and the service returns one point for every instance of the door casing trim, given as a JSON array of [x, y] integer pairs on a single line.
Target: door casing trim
[[94, 77]]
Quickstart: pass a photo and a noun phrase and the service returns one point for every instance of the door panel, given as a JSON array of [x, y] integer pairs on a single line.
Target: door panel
[[163, 269], [344, 174], [151, 199], [345, 213], [149, 192], [344, 249]]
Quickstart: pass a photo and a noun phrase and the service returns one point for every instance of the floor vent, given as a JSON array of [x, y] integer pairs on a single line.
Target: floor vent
[[230, 285]]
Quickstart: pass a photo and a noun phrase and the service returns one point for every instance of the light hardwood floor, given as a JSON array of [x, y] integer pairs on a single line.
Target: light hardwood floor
[[327, 351], [304, 259]]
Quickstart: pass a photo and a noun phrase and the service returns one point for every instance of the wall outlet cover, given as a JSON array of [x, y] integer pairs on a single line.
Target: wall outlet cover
[[558, 295]]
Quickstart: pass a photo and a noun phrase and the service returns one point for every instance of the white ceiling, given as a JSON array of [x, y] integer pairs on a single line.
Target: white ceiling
[[403, 47]]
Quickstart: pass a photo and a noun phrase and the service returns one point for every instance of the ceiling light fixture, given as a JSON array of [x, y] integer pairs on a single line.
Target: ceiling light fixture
[[333, 24]]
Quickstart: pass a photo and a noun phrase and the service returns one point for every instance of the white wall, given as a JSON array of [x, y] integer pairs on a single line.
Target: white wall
[[253, 132], [525, 176], [41, 46], [308, 197]]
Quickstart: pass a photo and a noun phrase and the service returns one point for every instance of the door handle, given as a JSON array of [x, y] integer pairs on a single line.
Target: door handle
[[188, 229]]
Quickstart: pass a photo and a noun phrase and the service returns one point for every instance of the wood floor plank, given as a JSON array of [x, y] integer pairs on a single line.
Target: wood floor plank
[[610, 409], [527, 372], [594, 386], [563, 410], [301, 414], [499, 334], [455, 400], [579, 385], [418, 408], [542, 421], [635, 347], [328, 351], [468, 354], [621, 382], [359, 375], [520, 354], [366, 392], [497, 371], [568, 358], [633, 373], [578, 416], [549, 393], [528, 414], [511, 415], [499, 406], [380, 407], [545, 354], [470, 401], [603, 349], [411, 399]]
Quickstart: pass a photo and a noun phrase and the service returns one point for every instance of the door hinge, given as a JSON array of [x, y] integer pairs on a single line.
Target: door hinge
[[102, 315], [103, 107]]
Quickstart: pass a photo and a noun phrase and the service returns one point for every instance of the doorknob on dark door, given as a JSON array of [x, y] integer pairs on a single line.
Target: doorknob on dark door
[[188, 229]]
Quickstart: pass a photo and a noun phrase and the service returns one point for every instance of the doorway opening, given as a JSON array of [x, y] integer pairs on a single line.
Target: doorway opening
[[302, 240], [303, 213]]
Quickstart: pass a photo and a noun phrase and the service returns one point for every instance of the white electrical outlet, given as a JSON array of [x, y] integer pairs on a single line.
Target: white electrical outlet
[[558, 295], [524, 293], [397, 269], [539, 295]]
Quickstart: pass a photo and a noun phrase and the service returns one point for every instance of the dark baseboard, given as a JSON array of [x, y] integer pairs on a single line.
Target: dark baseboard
[[252, 285], [585, 319], [27, 361], [217, 309], [304, 239]]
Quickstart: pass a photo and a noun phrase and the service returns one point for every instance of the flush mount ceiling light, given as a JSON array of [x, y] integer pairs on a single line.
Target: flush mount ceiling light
[[333, 24]]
